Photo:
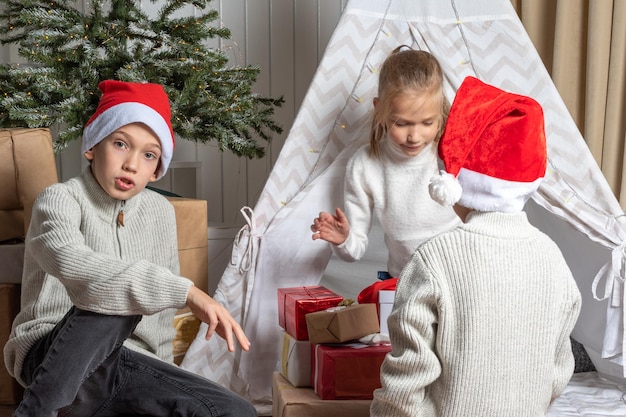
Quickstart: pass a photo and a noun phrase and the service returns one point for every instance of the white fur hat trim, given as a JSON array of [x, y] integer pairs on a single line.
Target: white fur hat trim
[[445, 189]]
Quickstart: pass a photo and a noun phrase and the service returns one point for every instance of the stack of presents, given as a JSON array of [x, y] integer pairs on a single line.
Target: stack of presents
[[27, 166], [332, 350]]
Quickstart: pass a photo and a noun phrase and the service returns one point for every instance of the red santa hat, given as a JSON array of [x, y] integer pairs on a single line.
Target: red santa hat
[[123, 103], [493, 150]]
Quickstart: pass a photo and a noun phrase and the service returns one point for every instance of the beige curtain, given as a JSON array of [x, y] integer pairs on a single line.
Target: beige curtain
[[583, 46]]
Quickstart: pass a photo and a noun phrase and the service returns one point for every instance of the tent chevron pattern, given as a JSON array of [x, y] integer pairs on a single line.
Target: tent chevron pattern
[[484, 39]]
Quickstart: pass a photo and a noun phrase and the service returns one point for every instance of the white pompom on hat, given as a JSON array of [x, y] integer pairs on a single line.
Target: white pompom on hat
[[123, 103], [493, 150]]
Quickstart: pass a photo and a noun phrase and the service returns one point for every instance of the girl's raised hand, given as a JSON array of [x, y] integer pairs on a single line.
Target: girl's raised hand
[[333, 229]]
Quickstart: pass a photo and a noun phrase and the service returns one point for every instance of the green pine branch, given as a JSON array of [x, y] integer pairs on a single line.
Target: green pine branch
[[67, 52]]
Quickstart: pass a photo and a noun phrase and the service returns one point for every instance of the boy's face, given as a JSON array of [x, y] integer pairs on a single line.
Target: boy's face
[[125, 162]]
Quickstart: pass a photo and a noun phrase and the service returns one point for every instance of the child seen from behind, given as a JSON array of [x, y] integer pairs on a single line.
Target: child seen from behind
[[483, 314]]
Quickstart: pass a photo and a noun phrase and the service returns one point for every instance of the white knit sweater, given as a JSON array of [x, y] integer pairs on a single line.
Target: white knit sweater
[[481, 324], [78, 254], [394, 187]]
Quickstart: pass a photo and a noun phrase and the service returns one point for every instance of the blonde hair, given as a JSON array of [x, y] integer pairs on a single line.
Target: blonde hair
[[406, 72]]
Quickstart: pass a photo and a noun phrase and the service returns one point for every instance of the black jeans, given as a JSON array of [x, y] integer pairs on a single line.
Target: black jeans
[[81, 369]]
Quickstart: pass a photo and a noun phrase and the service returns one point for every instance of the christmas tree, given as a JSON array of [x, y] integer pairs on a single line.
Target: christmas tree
[[69, 51]]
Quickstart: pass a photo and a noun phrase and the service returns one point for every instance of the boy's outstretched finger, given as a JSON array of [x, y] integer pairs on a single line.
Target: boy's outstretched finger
[[241, 338], [228, 329], [213, 323], [226, 332]]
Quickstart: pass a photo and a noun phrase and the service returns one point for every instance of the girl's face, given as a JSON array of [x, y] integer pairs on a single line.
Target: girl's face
[[125, 162], [413, 121]]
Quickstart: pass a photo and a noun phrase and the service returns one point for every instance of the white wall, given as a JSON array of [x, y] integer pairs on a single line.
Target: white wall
[[286, 38]]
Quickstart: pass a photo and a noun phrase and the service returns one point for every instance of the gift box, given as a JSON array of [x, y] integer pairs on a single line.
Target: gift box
[[193, 257], [347, 371], [27, 166], [295, 302], [10, 391], [193, 241], [370, 293], [341, 324], [290, 401], [385, 304], [186, 326], [295, 361]]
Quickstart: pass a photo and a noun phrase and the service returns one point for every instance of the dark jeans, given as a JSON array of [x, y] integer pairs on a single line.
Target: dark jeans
[[81, 369]]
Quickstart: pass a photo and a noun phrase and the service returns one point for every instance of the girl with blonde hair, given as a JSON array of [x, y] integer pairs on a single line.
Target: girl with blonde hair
[[389, 177]]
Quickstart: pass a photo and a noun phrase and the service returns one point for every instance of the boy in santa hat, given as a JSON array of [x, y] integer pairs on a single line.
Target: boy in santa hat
[[101, 280], [483, 313]]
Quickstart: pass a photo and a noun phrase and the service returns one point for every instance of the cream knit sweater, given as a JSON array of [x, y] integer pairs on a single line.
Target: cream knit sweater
[[78, 254], [394, 187], [481, 324]]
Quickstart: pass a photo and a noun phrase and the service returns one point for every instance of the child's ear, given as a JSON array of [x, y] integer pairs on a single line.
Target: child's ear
[[375, 101], [89, 154]]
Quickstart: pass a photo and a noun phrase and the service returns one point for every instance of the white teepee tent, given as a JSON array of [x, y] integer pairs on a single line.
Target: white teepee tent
[[483, 38]]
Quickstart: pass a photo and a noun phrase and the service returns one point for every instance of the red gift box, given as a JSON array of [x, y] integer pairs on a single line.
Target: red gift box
[[296, 302], [347, 371], [370, 294]]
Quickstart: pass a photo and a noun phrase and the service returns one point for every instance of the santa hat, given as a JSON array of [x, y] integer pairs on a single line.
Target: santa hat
[[493, 149], [123, 103]]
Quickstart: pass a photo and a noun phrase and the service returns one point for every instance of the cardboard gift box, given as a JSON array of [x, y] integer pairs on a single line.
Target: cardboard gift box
[[10, 391], [193, 242], [193, 255], [347, 371], [295, 361], [342, 324], [186, 326], [295, 302], [12, 261], [385, 305], [290, 401], [27, 166], [193, 239]]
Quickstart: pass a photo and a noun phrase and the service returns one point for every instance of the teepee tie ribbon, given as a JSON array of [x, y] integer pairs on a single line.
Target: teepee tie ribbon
[[613, 272], [614, 343]]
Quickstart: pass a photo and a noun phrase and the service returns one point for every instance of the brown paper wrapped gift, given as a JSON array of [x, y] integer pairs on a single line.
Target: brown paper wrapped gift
[[10, 391], [193, 254], [186, 326], [341, 324], [289, 401], [27, 166], [193, 239]]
